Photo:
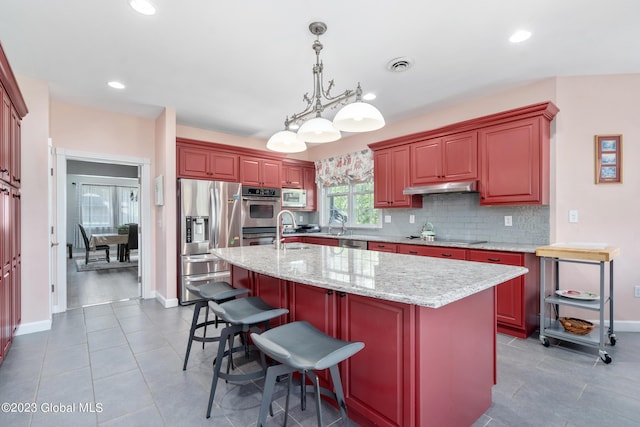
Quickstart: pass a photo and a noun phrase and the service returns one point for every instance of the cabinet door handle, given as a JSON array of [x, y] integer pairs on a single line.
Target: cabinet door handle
[[446, 255], [5, 190], [493, 259], [342, 294], [5, 170], [329, 292], [413, 253]]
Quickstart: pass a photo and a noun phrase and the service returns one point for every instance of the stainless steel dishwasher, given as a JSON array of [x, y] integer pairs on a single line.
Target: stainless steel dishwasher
[[351, 243]]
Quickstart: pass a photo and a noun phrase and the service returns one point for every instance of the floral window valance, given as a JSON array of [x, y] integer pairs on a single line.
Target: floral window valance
[[345, 169]]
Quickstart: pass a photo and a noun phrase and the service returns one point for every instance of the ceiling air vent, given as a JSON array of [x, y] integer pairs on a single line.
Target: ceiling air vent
[[398, 65]]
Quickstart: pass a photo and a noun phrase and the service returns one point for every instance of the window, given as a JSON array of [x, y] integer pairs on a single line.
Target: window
[[351, 203], [104, 207]]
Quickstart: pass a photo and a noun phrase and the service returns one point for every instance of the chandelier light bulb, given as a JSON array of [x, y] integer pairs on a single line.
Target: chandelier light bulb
[[318, 130], [358, 117], [286, 141]]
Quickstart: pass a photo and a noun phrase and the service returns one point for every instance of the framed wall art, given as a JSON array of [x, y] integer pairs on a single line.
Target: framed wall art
[[608, 159]]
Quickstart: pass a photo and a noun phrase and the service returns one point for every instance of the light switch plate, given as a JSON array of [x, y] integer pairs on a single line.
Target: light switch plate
[[573, 215], [508, 221], [412, 219], [387, 219]]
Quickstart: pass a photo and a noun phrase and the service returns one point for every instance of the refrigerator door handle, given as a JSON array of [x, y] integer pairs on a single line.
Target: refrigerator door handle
[[214, 215]]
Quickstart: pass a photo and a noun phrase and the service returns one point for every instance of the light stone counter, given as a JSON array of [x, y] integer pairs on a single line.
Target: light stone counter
[[423, 281]]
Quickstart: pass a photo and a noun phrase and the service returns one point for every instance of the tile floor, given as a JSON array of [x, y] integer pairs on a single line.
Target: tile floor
[[121, 364]]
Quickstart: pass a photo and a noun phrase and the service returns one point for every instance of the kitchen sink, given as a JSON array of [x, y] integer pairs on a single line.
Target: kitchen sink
[[294, 246]]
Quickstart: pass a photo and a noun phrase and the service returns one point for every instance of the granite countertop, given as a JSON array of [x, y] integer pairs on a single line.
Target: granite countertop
[[491, 246], [425, 281]]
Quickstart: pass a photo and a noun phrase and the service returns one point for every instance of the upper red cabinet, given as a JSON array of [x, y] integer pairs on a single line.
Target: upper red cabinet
[[391, 177], [260, 172], [292, 176], [445, 159], [514, 164], [5, 135], [507, 152], [197, 162]]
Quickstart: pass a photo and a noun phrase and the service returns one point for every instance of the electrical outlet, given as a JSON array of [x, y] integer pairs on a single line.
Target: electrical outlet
[[387, 219], [637, 291], [508, 221], [412, 219], [301, 218], [573, 216]]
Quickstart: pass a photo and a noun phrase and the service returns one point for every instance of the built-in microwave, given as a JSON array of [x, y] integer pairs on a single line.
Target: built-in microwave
[[294, 198]]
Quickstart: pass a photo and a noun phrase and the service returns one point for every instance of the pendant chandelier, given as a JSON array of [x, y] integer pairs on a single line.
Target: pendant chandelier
[[356, 116]]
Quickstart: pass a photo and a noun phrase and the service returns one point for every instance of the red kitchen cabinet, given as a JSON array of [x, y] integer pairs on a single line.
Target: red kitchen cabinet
[[274, 292], [318, 307], [514, 163], [242, 279], [382, 247], [433, 251], [15, 148], [446, 159], [391, 177], [203, 163], [518, 300], [260, 172], [380, 365], [309, 179], [292, 176], [12, 110], [5, 135], [326, 241]]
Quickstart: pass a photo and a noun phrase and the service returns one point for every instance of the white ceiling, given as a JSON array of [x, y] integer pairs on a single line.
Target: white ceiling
[[240, 67]]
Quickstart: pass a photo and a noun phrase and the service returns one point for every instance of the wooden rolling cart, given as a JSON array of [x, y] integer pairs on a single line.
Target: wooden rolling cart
[[592, 254]]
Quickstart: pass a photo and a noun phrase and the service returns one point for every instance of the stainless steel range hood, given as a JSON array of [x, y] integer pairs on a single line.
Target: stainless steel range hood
[[449, 187]]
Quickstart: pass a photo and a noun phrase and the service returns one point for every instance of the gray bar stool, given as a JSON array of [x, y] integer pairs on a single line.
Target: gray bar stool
[[241, 316], [211, 291], [299, 346]]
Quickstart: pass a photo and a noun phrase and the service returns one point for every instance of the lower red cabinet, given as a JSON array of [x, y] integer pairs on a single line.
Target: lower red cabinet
[[385, 364], [518, 300]]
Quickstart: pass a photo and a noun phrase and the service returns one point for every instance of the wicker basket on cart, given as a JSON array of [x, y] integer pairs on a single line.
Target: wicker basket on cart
[[576, 326]]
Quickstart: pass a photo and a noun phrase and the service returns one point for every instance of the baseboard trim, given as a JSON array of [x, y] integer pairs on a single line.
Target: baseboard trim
[[32, 327], [166, 302]]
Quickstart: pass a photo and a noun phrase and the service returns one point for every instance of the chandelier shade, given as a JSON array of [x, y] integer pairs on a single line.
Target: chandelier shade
[[355, 117], [286, 141], [318, 130], [358, 117]]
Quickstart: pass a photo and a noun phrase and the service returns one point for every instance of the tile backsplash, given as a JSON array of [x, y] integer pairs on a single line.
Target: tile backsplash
[[460, 216]]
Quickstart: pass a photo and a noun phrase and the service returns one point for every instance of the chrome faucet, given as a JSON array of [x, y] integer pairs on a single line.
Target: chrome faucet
[[279, 238]]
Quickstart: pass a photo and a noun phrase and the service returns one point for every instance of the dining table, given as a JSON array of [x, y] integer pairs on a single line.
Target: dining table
[[111, 239]]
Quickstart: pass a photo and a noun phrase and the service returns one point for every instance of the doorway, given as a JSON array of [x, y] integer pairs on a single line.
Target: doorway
[[95, 172], [102, 203]]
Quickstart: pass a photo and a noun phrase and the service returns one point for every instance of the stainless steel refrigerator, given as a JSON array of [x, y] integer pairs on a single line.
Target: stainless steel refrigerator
[[209, 217]]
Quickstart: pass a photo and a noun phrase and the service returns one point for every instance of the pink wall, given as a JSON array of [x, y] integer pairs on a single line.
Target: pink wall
[[35, 222], [164, 217], [589, 106]]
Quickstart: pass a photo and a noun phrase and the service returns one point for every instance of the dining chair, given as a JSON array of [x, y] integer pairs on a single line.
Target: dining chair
[[132, 243], [87, 246]]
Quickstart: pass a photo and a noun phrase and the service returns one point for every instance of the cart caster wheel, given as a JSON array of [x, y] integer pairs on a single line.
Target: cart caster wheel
[[545, 342], [612, 340], [606, 359]]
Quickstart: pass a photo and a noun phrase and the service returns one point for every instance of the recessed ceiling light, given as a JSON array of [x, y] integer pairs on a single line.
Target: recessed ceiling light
[[519, 36], [369, 96], [144, 7], [116, 85]]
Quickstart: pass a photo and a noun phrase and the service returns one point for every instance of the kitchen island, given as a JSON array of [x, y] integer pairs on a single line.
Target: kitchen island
[[428, 325]]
